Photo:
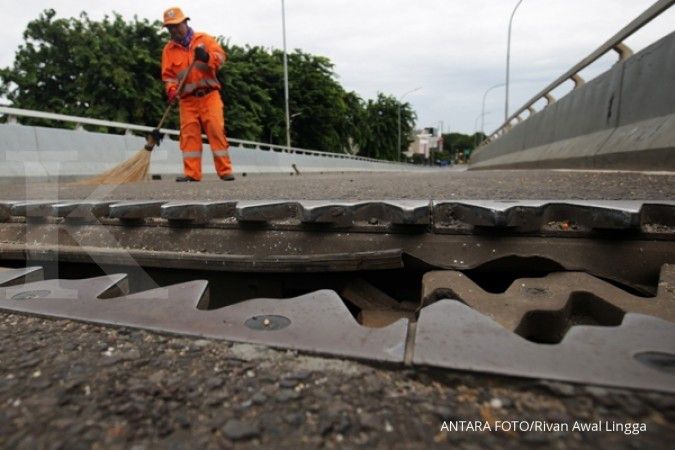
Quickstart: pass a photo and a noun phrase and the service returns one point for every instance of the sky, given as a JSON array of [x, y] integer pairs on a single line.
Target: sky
[[452, 50]]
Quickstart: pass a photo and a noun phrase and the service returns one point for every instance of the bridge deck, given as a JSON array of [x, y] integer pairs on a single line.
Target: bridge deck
[[442, 185]]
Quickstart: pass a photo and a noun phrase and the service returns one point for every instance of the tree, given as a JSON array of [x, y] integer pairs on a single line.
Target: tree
[[245, 94], [381, 122], [456, 143], [253, 91], [318, 100], [106, 69], [355, 123]]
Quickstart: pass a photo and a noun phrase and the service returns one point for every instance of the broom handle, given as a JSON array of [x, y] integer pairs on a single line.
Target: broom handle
[[180, 90]]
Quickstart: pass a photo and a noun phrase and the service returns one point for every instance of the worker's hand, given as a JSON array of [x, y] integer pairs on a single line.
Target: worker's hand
[[201, 54], [172, 95], [157, 136]]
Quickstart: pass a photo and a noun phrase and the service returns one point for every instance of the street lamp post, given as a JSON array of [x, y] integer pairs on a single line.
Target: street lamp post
[[439, 142], [475, 126], [508, 61], [482, 122], [288, 118], [398, 151]]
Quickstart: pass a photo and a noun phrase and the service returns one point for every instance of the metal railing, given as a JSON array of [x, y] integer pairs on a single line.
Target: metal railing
[[615, 43], [13, 114]]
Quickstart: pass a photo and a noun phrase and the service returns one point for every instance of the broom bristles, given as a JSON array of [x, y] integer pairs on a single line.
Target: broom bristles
[[131, 170]]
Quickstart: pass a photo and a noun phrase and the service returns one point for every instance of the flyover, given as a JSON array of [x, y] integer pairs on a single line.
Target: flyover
[[436, 294], [623, 119]]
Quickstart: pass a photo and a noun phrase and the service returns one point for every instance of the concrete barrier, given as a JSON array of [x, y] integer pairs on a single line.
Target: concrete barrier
[[53, 153], [623, 119]]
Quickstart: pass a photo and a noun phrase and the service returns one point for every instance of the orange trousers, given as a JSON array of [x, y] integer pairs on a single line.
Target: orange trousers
[[197, 113]]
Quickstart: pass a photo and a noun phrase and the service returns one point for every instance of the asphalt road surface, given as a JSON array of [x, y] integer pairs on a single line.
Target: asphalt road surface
[[67, 385], [439, 185]]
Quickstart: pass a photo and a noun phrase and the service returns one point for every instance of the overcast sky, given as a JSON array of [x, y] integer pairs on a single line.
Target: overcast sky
[[453, 49]]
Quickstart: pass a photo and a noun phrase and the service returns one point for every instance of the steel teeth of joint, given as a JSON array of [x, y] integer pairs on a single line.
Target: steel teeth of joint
[[523, 216], [11, 277], [464, 328], [635, 354], [567, 326], [317, 322], [543, 306], [526, 216]]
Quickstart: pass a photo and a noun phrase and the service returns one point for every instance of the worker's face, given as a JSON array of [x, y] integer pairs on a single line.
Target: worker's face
[[178, 31]]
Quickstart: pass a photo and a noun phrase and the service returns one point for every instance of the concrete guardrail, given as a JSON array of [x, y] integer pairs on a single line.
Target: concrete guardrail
[[623, 119], [51, 153]]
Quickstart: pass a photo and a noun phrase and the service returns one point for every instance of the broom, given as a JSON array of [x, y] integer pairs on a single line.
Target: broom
[[136, 168]]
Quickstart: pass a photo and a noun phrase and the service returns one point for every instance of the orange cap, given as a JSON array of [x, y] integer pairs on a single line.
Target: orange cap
[[174, 16]]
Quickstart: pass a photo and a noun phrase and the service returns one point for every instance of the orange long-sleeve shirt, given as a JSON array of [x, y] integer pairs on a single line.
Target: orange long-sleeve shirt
[[176, 59]]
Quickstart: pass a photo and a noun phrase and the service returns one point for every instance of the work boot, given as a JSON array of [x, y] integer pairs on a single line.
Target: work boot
[[186, 179], [228, 177]]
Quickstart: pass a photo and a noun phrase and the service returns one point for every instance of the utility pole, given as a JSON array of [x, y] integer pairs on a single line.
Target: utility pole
[[439, 142], [288, 117], [508, 62], [400, 100], [482, 122]]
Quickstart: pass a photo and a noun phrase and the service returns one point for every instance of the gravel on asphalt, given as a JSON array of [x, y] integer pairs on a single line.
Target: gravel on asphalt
[[448, 185], [69, 385]]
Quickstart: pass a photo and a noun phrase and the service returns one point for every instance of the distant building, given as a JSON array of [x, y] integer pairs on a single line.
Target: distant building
[[425, 141]]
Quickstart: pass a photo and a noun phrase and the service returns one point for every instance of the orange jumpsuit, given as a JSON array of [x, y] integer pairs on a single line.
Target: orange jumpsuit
[[200, 104]]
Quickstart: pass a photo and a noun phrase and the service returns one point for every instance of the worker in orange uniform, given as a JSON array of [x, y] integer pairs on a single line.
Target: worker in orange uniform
[[200, 104]]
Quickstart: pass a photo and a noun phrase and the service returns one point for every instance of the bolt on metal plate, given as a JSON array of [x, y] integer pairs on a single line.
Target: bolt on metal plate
[[28, 295], [267, 323]]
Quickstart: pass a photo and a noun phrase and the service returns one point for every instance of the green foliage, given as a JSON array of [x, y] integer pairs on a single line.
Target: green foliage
[[253, 90], [354, 124], [444, 155], [381, 134], [247, 100], [318, 100], [110, 69], [107, 69], [454, 144], [418, 159]]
